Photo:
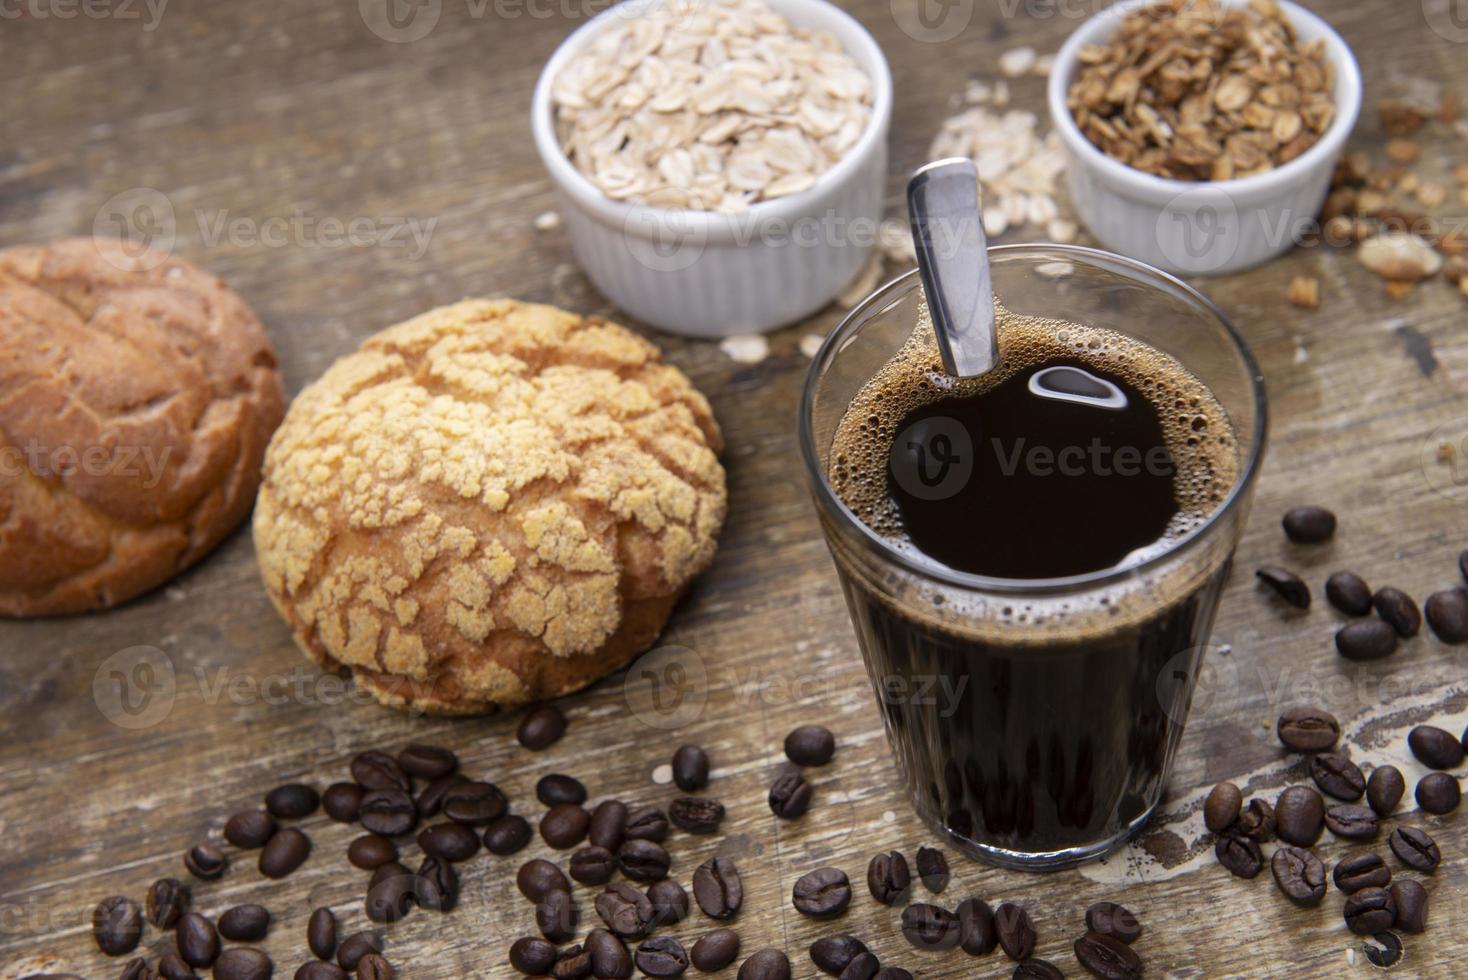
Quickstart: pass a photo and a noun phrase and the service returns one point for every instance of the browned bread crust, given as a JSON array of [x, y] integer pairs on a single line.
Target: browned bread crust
[[137, 395], [490, 504]]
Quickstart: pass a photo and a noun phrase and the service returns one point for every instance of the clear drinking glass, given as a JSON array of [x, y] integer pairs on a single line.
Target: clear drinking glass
[[1026, 746]]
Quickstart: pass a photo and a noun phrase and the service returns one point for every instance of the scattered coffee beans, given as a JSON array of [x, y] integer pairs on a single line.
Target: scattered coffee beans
[[356, 946], [1033, 969], [1221, 808], [865, 966], [717, 888], [1256, 821], [627, 912], [1384, 789], [389, 812], [1438, 793], [810, 745], [821, 894], [205, 862], [661, 956], [1016, 930], [166, 901], [1299, 874], [1349, 593], [572, 963], [537, 878], [532, 955], [198, 940], [1369, 911], [1352, 822], [690, 768], [557, 788], [1398, 609], [374, 967], [172, 967], [430, 800], [1338, 776], [390, 893], [932, 868], [437, 886], [1415, 849], [507, 834], [790, 796], [556, 916], [977, 933], [1299, 813], [767, 964], [715, 950], [1435, 748], [284, 853], [1285, 584], [1110, 919], [292, 801], [321, 934], [1411, 901], [378, 770], [1447, 614], [593, 865], [250, 829], [644, 860], [696, 814], [608, 825], [1367, 639], [1383, 949], [341, 801], [243, 963], [371, 851], [317, 970], [834, 953], [1107, 957], [608, 955], [1308, 730], [449, 841], [1358, 871], [928, 926], [669, 902], [427, 761], [542, 727], [117, 925], [1238, 854], [564, 825], [245, 923], [1308, 525], [888, 878], [646, 823], [473, 803]]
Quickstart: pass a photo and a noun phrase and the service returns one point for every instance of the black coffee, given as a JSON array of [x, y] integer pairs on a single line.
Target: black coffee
[[1037, 725]]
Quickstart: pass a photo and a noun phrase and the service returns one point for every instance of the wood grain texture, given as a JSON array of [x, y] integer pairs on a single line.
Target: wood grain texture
[[269, 109]]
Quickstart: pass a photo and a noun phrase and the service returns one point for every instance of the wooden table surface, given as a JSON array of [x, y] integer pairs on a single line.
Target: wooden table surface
[[213, 112]]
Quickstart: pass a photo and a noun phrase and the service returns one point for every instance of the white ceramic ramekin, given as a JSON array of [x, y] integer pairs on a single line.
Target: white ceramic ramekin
[[1205, 227], [706, 274]]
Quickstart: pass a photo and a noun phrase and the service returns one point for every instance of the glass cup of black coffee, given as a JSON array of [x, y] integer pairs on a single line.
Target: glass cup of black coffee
[[1033, 559]]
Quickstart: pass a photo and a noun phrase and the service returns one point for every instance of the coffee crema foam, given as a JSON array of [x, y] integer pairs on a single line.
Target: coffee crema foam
[[1197, 432]]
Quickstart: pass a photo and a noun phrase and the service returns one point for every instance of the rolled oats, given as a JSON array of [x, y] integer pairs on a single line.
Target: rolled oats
[[710, 105]]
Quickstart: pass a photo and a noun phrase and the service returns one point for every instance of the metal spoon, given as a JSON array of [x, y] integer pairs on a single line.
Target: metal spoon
[[953, 261]]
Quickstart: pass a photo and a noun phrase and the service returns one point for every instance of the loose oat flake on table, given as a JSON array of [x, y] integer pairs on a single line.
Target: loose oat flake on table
[[709, 106], [1193, 90]]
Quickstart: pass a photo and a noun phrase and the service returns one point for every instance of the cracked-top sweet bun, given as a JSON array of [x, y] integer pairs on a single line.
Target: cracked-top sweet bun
[[493, 503]]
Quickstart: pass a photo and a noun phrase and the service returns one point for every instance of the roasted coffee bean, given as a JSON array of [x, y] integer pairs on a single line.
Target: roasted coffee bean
[[643, 860], [696, 814], [374, 966], [627, 912], [1411, 901], [864, 966], [134, 969], [718, 888], [573, 963], [321, 933], [1308, 730], [1369, 911], [1299, 874], [1338, 776], [537, 878], [928, 926], [1384, 789], [1107, 957], [767, 964], [542, 727], [790, 796], [646, 823], [822, 893], [172, 967], [117, 925], [317, 970], [292, 801], [669, 902], [690, 768], [1240, 855], [1352, 822], [1358, 871], [371, 851], [389, 812], [1116, 921], [1415, 849], [356, 946], [609, 957], [557, 788], [249, 829], [932, 868], [1398, 609], [810, 745], [1438, 793], [427, 761], [167, 899], [437, 887], [532, 955], [661, 956], [472, 803], [449, 841], [390, 893], [556, 916], [1299, 813], [284, 853], [892, 973], [1349, 593], [1435, 748], [608, 825], [1033, 969], [197, 939], [245, 923], [243, 963], [1447, 614], [715, 950], [593, 865], [1463, 565], [1383, 949], [1016, 930], [564, 825], [205, 862], [1256, 821], [833, 953], [378, 770], [888, 878], [1308, 524], [977, 933], [1221, 808], [342, 801], [1366, 639], [507, 834], [1285, 584], [430, 800]]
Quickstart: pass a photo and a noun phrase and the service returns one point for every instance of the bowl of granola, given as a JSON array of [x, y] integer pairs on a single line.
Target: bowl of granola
[[719, 164], [1202, 134]]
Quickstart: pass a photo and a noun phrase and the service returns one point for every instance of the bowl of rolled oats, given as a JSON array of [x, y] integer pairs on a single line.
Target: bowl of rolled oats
[[719, 164], [1202, 134]]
